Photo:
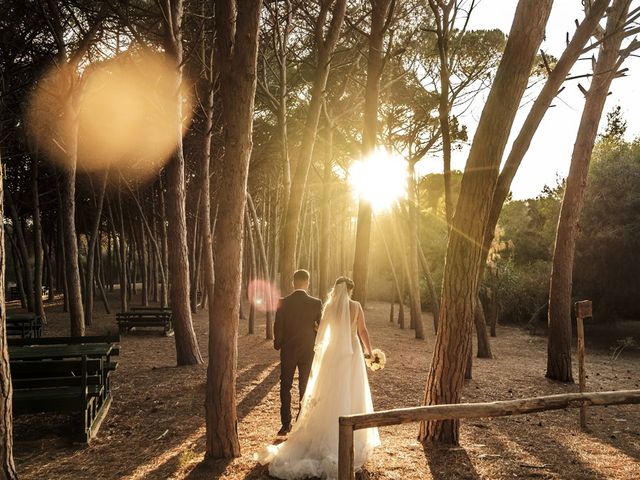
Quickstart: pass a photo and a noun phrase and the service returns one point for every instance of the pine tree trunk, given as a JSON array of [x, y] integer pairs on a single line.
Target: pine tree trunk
[[23, 251], [325, 48], [68, 206], [187, 350], [63, 259], [442, 14], [92, 248], [325, 212], [122, 245], [380, 16], [435, 302], [38, 254], [414, 267], [263, 259], [51, 283], [238, 68], [464, 250], [18, 271], [164, 292], [7, 467], [484, 344], [559, 340], [536, 114]]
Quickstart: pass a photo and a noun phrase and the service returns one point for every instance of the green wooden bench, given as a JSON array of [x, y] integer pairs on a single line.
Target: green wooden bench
[[76, 386], [150, 309], [135, 319], [102, 347], [23, 325]]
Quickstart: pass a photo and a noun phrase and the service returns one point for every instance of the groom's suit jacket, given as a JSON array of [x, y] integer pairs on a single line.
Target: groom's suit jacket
[[297, 318]]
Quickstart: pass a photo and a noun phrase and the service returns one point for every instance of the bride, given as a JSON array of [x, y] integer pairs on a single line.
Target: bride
[[338, 386]]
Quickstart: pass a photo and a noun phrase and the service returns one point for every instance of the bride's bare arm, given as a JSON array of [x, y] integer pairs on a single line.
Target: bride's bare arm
[[363, 333]]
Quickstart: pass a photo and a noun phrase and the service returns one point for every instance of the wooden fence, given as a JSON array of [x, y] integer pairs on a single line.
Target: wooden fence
[[350, 423]]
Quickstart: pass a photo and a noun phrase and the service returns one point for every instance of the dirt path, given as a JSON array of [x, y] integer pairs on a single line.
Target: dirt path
[[155, 427]]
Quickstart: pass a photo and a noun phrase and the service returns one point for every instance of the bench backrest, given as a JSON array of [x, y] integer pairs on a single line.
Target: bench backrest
[[22, 342], [56, 373], [22, 369]]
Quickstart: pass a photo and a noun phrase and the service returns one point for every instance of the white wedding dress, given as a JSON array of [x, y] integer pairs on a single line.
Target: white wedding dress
[[338, 385]]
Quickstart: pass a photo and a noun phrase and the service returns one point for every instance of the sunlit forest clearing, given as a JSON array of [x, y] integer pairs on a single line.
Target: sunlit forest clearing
[[206, 203]]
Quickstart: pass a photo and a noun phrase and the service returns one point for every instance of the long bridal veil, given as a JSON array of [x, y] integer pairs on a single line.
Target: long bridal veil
[[338, 385]]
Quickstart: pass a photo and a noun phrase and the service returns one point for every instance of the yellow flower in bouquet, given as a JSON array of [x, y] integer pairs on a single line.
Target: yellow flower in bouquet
[[377, 360]]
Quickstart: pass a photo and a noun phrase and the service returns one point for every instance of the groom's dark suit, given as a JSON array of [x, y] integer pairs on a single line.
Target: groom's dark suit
[[294, 335]]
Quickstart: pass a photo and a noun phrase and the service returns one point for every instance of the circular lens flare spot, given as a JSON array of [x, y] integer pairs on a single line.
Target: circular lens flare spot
[[127, 112], [263, 295]]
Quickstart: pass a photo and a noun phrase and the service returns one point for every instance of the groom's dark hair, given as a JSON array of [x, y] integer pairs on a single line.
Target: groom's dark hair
[[300, 277]]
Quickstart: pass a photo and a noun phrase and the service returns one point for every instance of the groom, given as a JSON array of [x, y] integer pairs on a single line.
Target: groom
[[297, 318]]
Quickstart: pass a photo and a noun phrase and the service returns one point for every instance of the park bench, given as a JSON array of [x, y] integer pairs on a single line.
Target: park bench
[[24, 325], [151, 309], [67, 385], [145, 318], [102, 347]]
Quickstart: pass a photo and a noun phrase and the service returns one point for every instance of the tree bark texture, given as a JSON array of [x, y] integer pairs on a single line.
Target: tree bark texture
[[325, 48], [559, 337], [7, 467], [236, 25], [464, 249], [93, 248], [381, 13], [187, 350]]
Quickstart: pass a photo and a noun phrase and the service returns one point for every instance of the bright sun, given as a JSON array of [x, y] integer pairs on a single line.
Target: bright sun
[[381, 179]]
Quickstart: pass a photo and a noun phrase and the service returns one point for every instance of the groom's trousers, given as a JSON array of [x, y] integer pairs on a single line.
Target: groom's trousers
[[289, 361]]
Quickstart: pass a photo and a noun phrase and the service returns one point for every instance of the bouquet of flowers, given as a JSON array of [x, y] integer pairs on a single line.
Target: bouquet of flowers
[[377, 360]]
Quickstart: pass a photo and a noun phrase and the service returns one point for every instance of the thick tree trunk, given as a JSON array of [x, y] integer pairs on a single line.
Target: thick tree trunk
[[325, 48], [540, 106], [7, 467], [464, 250], [237, 27], [559, 341], [93, 248], [187, 350], [380, 18]]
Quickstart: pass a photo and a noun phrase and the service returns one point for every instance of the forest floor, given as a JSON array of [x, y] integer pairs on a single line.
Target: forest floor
[[155, 428]]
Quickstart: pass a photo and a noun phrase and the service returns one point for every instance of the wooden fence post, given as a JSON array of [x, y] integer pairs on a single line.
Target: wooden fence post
[[583, 310], [345, 450]]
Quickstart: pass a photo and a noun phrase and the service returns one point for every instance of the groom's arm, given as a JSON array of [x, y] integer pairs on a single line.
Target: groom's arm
[[318, 315], [278, 327]]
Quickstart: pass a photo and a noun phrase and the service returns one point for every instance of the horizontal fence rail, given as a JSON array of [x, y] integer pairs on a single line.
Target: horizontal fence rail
[[350, 423]]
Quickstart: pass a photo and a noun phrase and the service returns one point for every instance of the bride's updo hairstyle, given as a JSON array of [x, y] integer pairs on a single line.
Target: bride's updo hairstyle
[[347, 281]]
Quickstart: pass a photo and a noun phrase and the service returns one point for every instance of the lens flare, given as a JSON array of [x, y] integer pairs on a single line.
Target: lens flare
[[381, 179], [127, 112], [263, 295]]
